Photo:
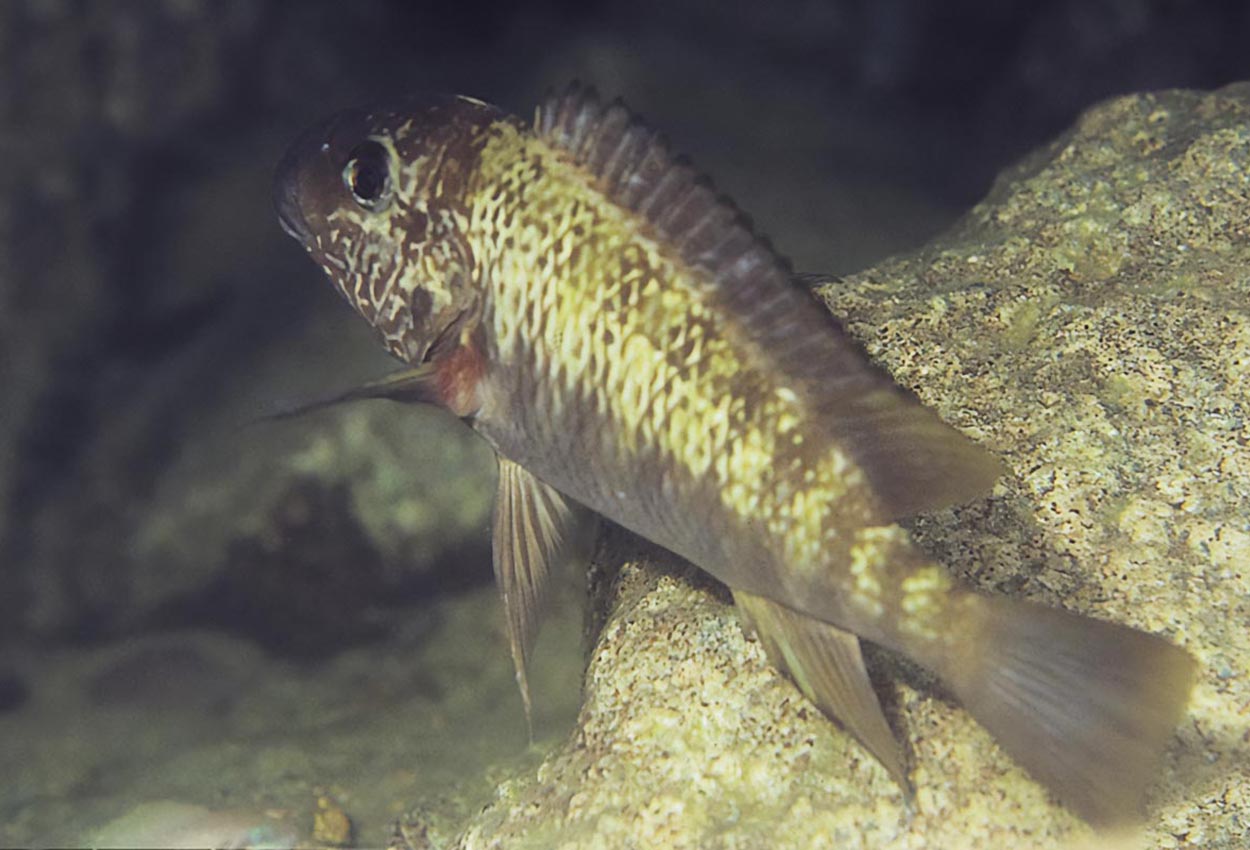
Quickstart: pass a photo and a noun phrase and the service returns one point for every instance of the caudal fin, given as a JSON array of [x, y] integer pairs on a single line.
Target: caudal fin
[[1084, 705]]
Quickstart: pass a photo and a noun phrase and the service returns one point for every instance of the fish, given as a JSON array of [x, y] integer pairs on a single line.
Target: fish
[[633, 349]]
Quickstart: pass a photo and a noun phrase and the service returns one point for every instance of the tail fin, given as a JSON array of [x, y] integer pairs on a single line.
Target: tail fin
[[1084, 705]]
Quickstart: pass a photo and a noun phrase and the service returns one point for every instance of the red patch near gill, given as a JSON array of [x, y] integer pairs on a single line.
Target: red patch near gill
[[458, 374]]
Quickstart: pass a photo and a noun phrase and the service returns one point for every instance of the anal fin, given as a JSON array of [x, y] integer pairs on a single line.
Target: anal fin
[[827, 665], [535, 529]]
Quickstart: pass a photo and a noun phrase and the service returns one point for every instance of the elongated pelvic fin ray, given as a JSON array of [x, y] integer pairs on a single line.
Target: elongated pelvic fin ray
[[827, 665], [915, 461], [413, 385], [1086, 706], [534, 530]]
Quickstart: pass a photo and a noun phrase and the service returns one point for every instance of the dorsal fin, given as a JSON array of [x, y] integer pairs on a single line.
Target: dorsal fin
[[915, 461]]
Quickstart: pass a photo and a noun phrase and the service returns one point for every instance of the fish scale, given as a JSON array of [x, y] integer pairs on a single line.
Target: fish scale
[[732, 442], [631, 348]]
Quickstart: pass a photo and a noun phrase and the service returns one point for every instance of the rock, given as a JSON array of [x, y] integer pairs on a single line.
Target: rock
[[150, 308], [298, 533], [170, 824], [198, 717], [87, 96], [331, 825], [1090, 323]]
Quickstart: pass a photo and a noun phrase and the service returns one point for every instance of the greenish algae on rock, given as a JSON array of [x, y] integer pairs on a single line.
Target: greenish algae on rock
[[1090, 323], [414, 483]]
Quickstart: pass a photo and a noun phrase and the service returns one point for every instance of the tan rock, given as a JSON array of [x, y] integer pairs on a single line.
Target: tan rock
[[1090, 323]]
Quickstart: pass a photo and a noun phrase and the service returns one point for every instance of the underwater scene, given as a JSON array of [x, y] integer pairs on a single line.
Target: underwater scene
[[403, 444]]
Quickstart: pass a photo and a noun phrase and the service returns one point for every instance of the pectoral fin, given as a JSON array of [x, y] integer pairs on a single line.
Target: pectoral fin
[[828, 667], [413, 385], [535, 529]]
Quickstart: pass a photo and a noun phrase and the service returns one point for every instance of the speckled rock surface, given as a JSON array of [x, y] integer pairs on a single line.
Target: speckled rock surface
[[1090, 323]]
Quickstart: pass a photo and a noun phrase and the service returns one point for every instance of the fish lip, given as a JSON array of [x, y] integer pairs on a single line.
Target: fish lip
[[304, 167], [306, 176], [286, 196]]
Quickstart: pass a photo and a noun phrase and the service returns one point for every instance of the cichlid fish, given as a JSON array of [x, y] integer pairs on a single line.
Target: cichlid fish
[[618, 333]]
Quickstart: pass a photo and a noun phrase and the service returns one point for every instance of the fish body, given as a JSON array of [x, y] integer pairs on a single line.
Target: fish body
[[614, 380], [628, 345]]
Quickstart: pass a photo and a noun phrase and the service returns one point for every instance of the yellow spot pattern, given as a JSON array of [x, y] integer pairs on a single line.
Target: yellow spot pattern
[[577, 291], [613, 321], [924, 602]]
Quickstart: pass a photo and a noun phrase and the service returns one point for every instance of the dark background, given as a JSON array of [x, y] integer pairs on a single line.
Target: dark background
[[144, 277]]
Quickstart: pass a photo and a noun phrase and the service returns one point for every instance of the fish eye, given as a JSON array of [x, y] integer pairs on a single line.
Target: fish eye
[[367, 174]]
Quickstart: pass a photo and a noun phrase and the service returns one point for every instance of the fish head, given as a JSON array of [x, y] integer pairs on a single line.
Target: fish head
[[378, 198]]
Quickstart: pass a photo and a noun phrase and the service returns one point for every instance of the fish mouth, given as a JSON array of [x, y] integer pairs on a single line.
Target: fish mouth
[[307, 177], [303, 169], [286, 197]]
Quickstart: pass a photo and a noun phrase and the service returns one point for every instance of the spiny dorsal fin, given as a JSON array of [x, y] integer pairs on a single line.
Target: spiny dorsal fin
[[915, 461]]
